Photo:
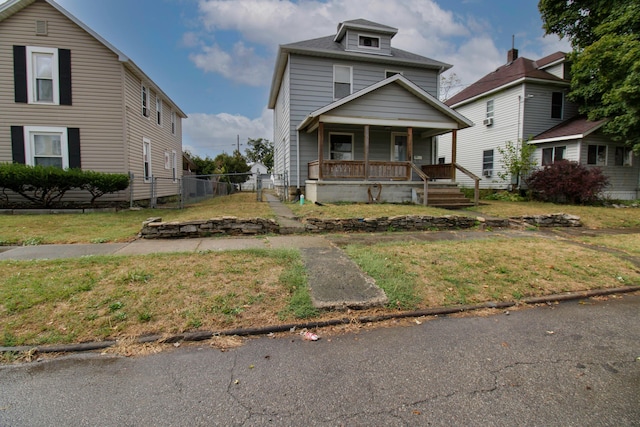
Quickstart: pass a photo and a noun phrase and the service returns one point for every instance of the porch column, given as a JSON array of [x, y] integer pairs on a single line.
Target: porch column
[[320, 149], [409, 151], [366, 152], [454, 153]]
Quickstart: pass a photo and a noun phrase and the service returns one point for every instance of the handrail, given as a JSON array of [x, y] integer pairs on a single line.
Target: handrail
[[425, 179], [476, 195]]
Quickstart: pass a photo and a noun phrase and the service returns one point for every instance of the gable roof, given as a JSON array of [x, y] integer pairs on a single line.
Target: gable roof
[[515, 72], [575, 128], [328, 47], [311, 120], [12, 7]]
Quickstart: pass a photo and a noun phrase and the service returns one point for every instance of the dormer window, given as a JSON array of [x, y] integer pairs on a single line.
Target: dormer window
[[369, 42]]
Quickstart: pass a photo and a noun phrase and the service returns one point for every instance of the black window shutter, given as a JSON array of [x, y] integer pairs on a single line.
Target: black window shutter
[[20, 73], [73, 141], [17, 144], [64, 73]]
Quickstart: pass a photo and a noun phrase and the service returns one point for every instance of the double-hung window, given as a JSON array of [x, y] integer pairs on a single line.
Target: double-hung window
[[623, 156], [42, 84], [46, 146], [552, 154], [557, 105], [144, 91], [489, 113], [597, 155], [341, 81], [173, 122], [487, 163], [158, 110], [146, 159]]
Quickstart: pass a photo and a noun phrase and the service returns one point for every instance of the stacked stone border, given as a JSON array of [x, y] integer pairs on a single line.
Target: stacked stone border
[[154, 228]]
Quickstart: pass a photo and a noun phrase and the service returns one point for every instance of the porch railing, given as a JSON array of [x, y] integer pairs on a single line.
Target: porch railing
[[355, 169]]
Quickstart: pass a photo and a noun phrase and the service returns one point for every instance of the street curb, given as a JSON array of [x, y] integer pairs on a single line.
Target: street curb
[[205, 335]]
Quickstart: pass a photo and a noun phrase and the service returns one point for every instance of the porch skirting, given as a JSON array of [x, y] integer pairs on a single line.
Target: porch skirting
[[359, 191]]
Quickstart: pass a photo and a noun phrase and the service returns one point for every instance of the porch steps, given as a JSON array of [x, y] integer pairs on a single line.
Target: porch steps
[[444, 195]]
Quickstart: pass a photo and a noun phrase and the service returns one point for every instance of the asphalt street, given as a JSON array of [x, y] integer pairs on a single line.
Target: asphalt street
[[572, 364]]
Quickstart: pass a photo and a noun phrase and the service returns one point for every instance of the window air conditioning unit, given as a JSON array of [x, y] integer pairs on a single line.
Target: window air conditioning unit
[[487, 173], [488, 121]]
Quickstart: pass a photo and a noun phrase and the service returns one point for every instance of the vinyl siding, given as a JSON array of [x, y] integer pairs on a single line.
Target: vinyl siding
[[389, 102], [352, 37], [139, 127], [96, 84], [473, 141], [537, 109], [310, 80], [282, 127], [624, 181]]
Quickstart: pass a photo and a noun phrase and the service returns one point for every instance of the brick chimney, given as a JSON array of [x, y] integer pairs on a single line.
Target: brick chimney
[[512, 55]]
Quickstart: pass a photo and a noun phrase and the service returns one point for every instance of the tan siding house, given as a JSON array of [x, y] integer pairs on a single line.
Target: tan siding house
[[69, 98]]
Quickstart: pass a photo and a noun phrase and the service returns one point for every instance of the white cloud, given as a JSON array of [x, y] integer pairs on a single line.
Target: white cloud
[[211, 134], [241, 65]]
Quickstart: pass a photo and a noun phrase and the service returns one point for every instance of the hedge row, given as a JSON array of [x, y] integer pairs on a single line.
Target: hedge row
[[46, 185]]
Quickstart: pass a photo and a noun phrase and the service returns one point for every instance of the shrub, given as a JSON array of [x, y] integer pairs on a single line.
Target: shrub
[[46, 185], [567, 182]]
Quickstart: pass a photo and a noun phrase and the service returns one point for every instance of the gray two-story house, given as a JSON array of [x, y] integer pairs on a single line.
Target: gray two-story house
[[355, 119], [525, 101]]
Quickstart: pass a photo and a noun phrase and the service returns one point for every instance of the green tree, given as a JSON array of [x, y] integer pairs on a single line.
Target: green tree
[[517, 161], [261, 151], [204, 166], [605, 70], [231, 166]]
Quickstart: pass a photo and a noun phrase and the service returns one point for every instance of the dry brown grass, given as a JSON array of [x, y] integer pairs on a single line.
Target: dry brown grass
[[591, 216], [100, 298]]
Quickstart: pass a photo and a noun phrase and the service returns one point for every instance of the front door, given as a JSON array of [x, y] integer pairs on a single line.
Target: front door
[[398, 147]]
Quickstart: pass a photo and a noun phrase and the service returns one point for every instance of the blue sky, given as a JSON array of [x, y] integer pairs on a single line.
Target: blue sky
[[215, 58]]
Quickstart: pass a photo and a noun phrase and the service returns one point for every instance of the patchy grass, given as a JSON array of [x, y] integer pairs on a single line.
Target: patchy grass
[[364, 210], [629, 243], [96, 298], [591, 216], [120, 226], [420, 275]]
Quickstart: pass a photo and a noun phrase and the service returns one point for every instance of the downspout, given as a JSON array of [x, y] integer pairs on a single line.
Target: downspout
[[298, 159]]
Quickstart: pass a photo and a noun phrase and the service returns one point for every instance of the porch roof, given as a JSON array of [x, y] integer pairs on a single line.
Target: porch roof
[[448, 118], [575, 128]]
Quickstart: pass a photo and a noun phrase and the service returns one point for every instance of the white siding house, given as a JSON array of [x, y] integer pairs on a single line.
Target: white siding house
[[525, 100]]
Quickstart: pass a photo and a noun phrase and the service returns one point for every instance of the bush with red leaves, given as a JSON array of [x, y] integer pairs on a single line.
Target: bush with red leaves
[[568, 182]]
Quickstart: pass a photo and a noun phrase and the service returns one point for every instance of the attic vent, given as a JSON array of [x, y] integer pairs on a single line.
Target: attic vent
[[41, 28]]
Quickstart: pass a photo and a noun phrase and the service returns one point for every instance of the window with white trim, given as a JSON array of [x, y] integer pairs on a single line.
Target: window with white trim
[[46, 146], [597, 155], [146, 159], [369, 42], [341, 146], [158, 110], [174, 165], [341, 81], [489, 109], [487, 163], [173, 122], [145, 100], [43, 79], [552, 154], [623, 156]]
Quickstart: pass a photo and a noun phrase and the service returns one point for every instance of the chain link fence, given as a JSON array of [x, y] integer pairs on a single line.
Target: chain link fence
[[190, 189]]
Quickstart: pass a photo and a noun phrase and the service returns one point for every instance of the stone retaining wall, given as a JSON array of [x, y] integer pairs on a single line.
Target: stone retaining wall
[[154, 228]]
